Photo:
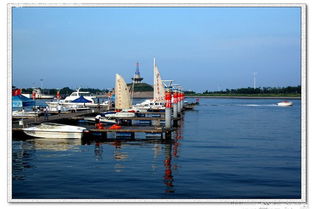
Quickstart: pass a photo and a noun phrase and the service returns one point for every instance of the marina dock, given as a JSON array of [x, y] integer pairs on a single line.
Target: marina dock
[[164, 115], [148, 123]]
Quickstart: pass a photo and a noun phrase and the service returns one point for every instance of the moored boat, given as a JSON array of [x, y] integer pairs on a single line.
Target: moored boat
[[158, 101], [55, 130], [285, 103], [102, 120], [77, 99], [120, 115], [37, 94]]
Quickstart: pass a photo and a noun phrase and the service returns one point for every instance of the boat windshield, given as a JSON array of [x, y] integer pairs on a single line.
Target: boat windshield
[[84, 93]]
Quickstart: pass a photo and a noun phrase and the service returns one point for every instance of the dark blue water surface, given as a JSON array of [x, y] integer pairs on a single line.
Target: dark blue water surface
[[225, 149]]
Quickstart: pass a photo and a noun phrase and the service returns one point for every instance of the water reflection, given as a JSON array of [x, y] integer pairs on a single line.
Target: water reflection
[[172, 149], [118, 154], [168, 177], [22, 153], [98, 151], [54, 144], [112, 154]]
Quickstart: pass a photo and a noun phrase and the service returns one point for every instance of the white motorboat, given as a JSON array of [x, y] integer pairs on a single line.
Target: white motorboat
[[38, 95], [103, 120], [68, 101], [285, 103], [76, 94], [120, 115], [55, 130], [150, 104]]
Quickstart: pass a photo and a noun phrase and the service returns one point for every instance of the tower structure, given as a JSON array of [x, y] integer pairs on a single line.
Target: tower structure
[[137, 78]]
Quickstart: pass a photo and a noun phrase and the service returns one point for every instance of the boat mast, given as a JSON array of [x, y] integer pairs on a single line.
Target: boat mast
[[132, 92]]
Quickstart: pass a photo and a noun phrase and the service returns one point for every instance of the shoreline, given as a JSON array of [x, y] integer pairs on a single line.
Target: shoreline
[[245, 97]]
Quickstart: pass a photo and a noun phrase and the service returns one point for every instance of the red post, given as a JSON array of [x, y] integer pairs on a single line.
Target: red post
[[175, 96], [168, 97], [34, 95], [58, 95]]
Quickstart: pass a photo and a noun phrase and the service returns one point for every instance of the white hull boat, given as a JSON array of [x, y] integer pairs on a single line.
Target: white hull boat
[[103, 120], [285, 103], [55, 130], [150, 105], [67, 102], [120, 115], [38, 95], [77, 94]]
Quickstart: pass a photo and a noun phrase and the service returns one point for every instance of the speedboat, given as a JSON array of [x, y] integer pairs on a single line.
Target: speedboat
[[285, 103], [102, 120], [55, 130], [119, 115], [150, 105]]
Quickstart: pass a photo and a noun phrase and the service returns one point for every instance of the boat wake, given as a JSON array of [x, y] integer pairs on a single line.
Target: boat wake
[[243, 105], [257, 105]]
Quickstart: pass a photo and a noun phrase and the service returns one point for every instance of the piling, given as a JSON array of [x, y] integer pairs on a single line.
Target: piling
[[179, 107], [182, 99], [168, 108], [168, 134], [175, 108]]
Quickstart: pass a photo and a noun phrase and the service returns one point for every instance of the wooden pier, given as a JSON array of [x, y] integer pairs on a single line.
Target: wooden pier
[[51, 118], [131, 131]]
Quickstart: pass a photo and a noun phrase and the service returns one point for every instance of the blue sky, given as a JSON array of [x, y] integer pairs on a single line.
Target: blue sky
[[200, 48]]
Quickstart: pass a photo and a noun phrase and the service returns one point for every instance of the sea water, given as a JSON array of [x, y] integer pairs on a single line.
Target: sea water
[[225, 149]]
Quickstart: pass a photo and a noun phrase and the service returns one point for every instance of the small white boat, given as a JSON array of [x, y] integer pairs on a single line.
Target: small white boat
[[150, 104], [55, 130], [285, 103], [38, 95], [103, 120], [120, 115]]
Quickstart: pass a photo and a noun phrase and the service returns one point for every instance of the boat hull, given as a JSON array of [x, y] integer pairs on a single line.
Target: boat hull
[[53, 134], [284, 104], [54, 130], [103, 120], [120, 115]]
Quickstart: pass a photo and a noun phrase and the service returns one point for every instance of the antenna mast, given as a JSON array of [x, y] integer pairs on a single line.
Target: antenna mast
[[254, 79]]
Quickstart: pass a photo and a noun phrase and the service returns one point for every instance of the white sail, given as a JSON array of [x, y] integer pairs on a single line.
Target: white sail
[[158, 88], [122, 95]]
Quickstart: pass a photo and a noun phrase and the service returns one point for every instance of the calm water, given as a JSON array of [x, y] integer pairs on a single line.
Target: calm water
[[226, 148]]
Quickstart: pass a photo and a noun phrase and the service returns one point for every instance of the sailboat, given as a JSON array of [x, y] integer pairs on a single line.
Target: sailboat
[[158, 101], [122, 100]]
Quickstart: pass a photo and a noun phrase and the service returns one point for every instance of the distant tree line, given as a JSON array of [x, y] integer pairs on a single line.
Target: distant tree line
[[146, 87], [252, 91], [140, 87], [64, 91]]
